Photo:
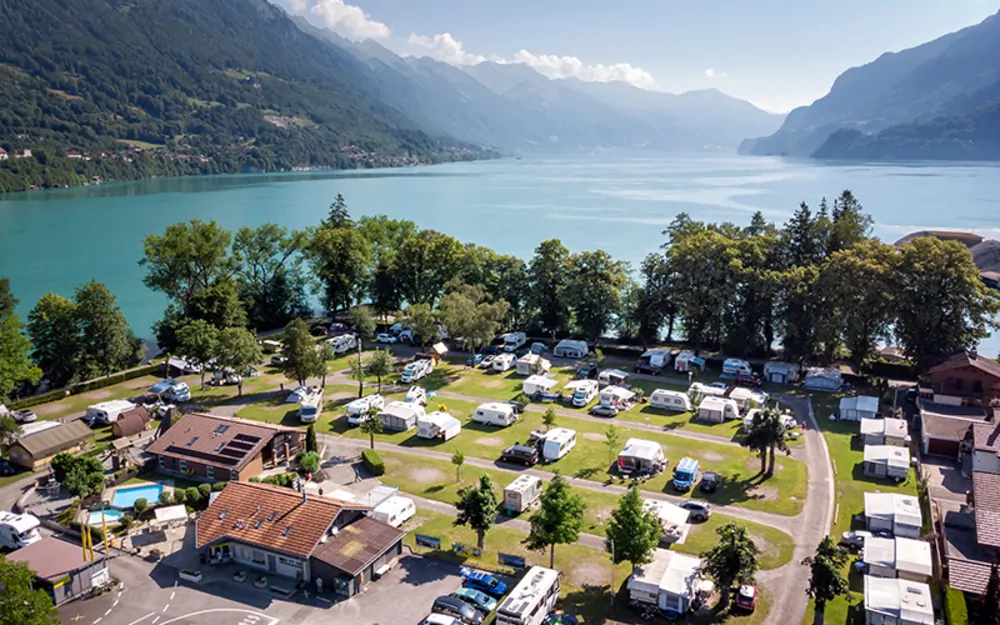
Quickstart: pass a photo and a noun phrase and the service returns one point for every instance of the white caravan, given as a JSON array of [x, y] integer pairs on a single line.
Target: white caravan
[[748, 398], [538, 384], [530, 602], [503, 362], [641, 456], [106, 413], [657, 357], [416, 370], [558, 442], [18, 530], [568, 348], [521, 494], [717, 410], [584, 391], [343, 343], [699, 391], [617, 397], [495, 413], [358, 410], [676, 401], [512, 341], [530, 364], [394, 511], [400, 416], [438, 425], [736, 366], [686, 361], [416, 395], [311, 407]]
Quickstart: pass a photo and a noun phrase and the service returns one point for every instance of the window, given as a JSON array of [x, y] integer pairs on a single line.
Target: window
[[183, 465], [210, 472], [234, 475], [160, 462]]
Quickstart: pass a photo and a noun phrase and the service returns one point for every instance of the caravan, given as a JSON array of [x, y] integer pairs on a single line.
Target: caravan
[[617, 397], [686, 361], [717, 410], [583, 392], [18, 530], [568, 348], [676, 401], [736, 366], [781, 372], [416, 370], [394, 511], [343, 343], [502, 362], [613, 377], [521, 494], [438, 425], [557, 443], [531, 364], [311, 407], [495, 413], [641, 457], [106, 413], [530, 602], [747, 399], [699, 391], [538, 384]]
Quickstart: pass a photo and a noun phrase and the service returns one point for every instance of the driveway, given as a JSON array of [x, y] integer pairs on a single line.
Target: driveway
[[945, 480]]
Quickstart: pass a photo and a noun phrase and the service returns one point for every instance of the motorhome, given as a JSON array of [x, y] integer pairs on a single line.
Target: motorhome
[[538, 384], [699, 391], [343, 343], [394, 511], [503, 362], [530, 602], [613, 377], [734, 366], [300, 393], [686, 473], [106, 413], [686, 361], [416, 395], [531, 364], [617, 397], [568, 348], [170, 389], [18, 530], [400, 416], [717, 410], [513, 341], [495, 413], [416, 370], [747, 398], [659, 358], [583, 391], [311, 407], [642, 457], [521, 494], [360, 409], [676, 401], [558, 442], [438, 425]]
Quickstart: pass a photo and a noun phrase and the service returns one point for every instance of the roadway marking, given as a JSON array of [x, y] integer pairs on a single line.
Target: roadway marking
[[98, 620], [155, 620], [165, 607], [108, 612], [270, 619], [115, 604], [139, 620], [172, 595]]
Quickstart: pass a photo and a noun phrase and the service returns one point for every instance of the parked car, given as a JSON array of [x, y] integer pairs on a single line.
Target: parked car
[[699, 511], [518, 406], [277, 361], [473, 362], [385, 337], [520, 454], [855, 539], [644, 367], [319, 330], [748, 379], [440, 619], [721, 385], [710, 482], [604, 411], [559, 617], [487, 362], [476, 598], [539, 348], [492, 350], [25, 416], [457, 608], [483, 582], [524, 351], [746, 598], [6, 468]]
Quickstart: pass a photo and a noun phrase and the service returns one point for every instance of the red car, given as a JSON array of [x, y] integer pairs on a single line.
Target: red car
[[746, 598], [746, 379], [644, 367]]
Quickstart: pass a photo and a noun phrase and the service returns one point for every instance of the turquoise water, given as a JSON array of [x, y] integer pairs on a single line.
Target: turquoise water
[[124, 498], [111, 517], [55, 240]]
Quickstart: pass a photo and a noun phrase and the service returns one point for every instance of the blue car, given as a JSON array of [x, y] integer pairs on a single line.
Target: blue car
[[474, 362], [483, 582]]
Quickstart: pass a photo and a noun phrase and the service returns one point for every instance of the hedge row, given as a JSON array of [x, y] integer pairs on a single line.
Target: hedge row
[[955, 610], [35, 400], [373, 462], [83, 387]]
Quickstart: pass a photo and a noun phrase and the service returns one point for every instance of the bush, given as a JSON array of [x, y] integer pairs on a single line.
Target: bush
[[286, 480], [36, 400], [204, 490], [178, 496], [117, 378], [140, 505], [192, 495], [308, 462], [166, 498], [254, 480], [127, 521], [218, 486], [373, 462], [955, 610]]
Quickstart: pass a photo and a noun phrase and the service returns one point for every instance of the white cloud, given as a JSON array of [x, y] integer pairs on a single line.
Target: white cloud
[[710, 72], [446, 48], [341, 16], [570, 66]]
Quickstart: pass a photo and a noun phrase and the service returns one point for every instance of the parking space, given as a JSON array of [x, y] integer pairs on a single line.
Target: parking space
[[945, 480]]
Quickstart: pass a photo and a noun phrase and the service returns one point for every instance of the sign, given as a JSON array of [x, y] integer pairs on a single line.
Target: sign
[[466, 550], [506, 559], [427, 541]]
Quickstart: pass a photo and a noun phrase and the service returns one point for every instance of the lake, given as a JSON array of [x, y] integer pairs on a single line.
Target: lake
[[55, 240]]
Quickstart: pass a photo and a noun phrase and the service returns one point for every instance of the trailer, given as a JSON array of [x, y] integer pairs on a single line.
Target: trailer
[[531, 364], [438, 425], [18, 530], [503, 362], [676, 401], [687, 362], [642, 457], [538, 384], [521, 494]]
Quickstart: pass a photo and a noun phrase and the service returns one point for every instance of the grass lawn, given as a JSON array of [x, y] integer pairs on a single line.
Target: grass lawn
[[435, 479], [499, 386]]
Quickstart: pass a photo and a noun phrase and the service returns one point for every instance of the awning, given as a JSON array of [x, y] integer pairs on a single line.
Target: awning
[[170, 514]]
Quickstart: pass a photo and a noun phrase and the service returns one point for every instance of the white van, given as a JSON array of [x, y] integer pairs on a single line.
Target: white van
[[416, 370], [18, 530], [663, 399], [357, 410], [513, 341], [521, 494], [495, 413], [558, 443], [735, 366], [584, 391], [106, 413], [394, 511], [503, 362], [311, 407]]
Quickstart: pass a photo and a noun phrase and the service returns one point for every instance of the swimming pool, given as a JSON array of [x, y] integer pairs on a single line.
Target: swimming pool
[[124, 498], [111, 517]]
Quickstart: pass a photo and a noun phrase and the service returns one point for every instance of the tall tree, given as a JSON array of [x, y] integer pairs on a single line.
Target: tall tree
[[363, 323], [339, 258], [467, 312], [360, 373], [548, 277], [20, 602], [734, 560], [702, 283], [477, 508], [372, 425], [826, 582], [849, 225], [7, 300], [756, 439], [303, 361], [385, 237], [423, 323], [311, 443], [804, 239], [613, 441], [339, 216], [219, 305], [559, 519], [55, 338], [594, 290], [269, 274], [425, 263], [10, 431], [656, 305], [633, 531], [766, 436], [381, 365], [238, 349], [198, 341], [107, 342]]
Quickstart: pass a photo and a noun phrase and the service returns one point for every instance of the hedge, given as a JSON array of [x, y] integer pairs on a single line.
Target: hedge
[[35, 400], [83, 387], [373, 462], [955, 611]]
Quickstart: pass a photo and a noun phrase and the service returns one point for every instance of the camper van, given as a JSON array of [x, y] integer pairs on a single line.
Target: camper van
[[584, 392], [617, 397], [658, 358], [18, 530], [394, 511], [642, 457], [495, 413], [416, 395], [400, 416], [170, 389], [311, 407], [343, 343], [530, 602], [357, 410], [736, 366], [558, 442], [717, 410], [513, 341], [521, 494], [106, 413], [699, 391], [675, 401], [686, 361], [568, 348], [438, 425], [416, 370], [685, 474], [530, 364], [538, 384], [503, 362]]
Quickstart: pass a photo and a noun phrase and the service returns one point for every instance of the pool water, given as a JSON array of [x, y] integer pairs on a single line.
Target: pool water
[[124, 498], [111, 517]]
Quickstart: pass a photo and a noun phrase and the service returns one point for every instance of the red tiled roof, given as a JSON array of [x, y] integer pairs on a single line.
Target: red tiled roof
[[963, 359], [269, 516], [223, 441], [968, 575]]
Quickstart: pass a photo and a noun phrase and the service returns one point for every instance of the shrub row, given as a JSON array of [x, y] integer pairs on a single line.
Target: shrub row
[[373, 462], [956, 612], [83, 387], [35, 400], [286, 480]]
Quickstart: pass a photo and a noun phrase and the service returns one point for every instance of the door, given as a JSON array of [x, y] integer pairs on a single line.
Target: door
[[939, 447], [272, 563]]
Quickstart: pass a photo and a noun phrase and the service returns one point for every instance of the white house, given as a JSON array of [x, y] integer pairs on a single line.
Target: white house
[[897, 602], [858, 408], [887, 461], [669, 581], [885, 432], [899, 514], [823, 380], [904, 558]]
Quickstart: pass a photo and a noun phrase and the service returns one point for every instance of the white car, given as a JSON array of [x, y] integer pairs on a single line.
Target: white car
[[385, 337]]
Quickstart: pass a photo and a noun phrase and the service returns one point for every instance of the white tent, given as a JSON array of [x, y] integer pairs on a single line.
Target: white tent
[[858, 408], [170, 516]]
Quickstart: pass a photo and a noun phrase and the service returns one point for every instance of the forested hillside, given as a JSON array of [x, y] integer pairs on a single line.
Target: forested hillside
[[193, 86]]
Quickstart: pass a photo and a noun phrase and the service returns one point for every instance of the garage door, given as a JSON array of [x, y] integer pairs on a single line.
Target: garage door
[[940, 447]]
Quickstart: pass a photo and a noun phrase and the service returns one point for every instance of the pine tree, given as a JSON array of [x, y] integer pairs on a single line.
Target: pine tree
[[311, 443]]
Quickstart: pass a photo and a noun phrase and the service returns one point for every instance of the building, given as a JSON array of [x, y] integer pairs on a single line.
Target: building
[[944, 427], [858, 408], [986, 506], [897, 602], [986, 447], [887, 461], [298, 536], [967, 378], [131, 422], [37, 450], [885, 432], [904, 558], [213, 448], [899, 514], [60, 569]]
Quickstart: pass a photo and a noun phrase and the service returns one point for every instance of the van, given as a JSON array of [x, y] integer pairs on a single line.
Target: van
[[685, 474], [311, 407], [734, 366], [558, 443], [495, 413], [676, 401], [416, 370], [106, 413], [584, 392], [343, 343], [394, 511], [513, 341], [456, 608], [18, 530], [521, 494], [357, 410]]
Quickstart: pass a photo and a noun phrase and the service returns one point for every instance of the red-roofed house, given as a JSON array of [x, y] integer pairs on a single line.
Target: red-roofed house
[[967, 378]]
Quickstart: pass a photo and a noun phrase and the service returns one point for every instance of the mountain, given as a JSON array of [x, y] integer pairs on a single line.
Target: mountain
[[917, 97], [137, 88]]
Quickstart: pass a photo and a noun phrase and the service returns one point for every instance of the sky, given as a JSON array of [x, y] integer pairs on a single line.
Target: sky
[[776, 54]]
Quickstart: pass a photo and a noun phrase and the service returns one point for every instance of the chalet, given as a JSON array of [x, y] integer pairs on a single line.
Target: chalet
[[986, 504], [213, 448], [37, 450], [966, 379], [131, 422], [858, 408]]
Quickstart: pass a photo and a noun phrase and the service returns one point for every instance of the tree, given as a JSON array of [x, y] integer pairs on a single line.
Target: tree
[[198, 340], [548, 277], [594, 290], [423, 323], [702, 283], [192, 495], [140, 505], [633, 532], [10, 431], [339, 217], [849, 224], [458, 459], [359, 372], [220, 305], [16, 367], [55, 338], [826, 582], [303, 361], [612, 440], [339, 258], [385, 237], [549, 418], [238, 349], [558, 520], [311, 443], [82, 483], [371, 426], [477, 508], [7, 300], [425, 263], [756, 439], [107, 342], [380, 365], [467, 312], [363, 323], [734, 560], [269, 274], [309, 462], [20, 602]]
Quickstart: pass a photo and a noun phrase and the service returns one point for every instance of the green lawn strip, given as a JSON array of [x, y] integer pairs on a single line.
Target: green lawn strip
[[784, 493], [435, 479], [500, 386]]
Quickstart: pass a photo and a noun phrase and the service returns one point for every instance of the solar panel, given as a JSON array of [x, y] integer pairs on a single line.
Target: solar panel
[[247, 437], [192, 441], [221, 429]]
